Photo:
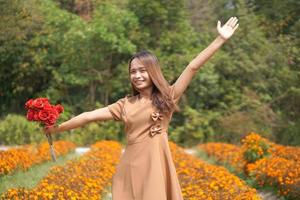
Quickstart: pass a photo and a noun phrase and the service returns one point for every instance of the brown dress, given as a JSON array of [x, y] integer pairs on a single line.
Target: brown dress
[[146, 170]]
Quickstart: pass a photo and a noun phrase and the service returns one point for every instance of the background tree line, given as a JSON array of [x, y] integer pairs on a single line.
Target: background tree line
[[76, 52]]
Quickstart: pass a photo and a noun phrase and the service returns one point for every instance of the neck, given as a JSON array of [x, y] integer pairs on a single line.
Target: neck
[[145, 94]]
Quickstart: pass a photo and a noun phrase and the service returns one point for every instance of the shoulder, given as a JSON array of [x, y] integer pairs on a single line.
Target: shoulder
[[131, 98], [120, 101], [126, 98]]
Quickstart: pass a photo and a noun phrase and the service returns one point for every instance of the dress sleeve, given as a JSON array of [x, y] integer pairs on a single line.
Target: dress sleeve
[[117, 109]]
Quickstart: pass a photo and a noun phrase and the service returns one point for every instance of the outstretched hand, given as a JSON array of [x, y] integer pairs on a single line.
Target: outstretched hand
[[50, 130], [227, 30]]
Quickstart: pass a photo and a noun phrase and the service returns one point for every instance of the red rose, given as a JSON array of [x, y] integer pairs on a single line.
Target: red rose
[[59, 108], [28, 104], [51, 120], [43, 114], [48, 123], [54, 111], [38, 103], [45, 100], [47, 106], [36, 116], [30, 115]]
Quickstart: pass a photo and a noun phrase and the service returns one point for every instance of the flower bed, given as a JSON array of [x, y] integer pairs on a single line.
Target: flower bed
[[269, 164], [280, 172], [28, 155], [83, 179], [225, 154], [200, 180]]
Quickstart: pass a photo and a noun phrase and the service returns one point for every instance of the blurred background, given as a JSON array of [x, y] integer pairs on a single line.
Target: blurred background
[[76, 52]]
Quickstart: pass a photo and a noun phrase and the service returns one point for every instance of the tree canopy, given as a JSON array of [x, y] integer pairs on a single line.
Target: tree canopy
[[76, 53]]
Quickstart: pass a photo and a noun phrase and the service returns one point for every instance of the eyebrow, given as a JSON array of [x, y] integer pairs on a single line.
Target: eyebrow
[[142, 67]]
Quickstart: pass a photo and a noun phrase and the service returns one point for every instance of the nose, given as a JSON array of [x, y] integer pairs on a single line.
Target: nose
[[137, 75]]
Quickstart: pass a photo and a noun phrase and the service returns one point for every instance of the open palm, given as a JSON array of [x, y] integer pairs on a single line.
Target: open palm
[[227, 30]]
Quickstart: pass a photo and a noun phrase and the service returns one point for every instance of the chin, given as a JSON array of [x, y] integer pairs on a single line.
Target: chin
[[142, 87]]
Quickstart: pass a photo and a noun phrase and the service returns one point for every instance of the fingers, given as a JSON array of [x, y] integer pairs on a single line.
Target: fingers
[[233, 21], [234, 24], [47, 130], [235, 27], [229, 21], [219, 25]]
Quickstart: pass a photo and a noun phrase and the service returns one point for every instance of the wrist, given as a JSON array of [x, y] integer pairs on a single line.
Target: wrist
[[221, 39], [56, 129]]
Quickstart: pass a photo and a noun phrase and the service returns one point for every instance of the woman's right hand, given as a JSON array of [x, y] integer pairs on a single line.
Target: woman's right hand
[[50, 130]]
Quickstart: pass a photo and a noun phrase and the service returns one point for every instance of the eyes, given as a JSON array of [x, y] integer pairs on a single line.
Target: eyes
[[142, 70]]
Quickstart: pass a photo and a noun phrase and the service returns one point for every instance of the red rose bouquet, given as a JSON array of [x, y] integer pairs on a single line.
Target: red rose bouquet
[[42, 111]]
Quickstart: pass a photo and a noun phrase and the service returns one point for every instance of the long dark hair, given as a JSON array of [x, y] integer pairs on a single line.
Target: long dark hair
[[161, 94]]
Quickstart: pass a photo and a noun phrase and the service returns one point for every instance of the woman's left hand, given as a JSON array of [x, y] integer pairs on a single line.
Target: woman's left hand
[[227, 30]]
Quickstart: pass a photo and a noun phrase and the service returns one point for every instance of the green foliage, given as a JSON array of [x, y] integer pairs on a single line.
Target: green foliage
[[92, 132], [288, 133], [248, 115], [76, 52], [168, 33], [16, 129], [194, 127], [282, 14], [91, 52], [23, 61], [252, 155]]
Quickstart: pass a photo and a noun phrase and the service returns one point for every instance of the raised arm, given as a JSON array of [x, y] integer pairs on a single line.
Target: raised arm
[[101, 114], [225, 32]]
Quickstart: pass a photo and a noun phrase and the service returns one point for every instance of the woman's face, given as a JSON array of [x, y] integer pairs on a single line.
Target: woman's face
[[139, 76]]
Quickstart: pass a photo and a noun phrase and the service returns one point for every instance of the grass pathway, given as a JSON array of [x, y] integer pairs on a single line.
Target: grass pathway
[[33, 175]]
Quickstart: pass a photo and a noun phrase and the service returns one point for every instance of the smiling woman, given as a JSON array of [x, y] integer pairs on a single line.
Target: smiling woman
[[140, 78], [148, 82], [146, 170]]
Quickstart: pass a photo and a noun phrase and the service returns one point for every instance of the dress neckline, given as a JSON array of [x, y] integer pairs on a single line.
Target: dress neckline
[[140, 101]]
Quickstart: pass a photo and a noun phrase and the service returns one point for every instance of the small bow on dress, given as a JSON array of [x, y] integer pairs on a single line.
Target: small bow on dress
[[156, 116], [156, 127]]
